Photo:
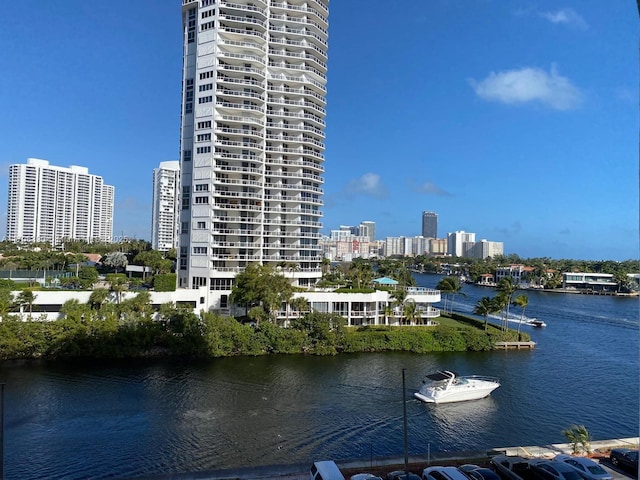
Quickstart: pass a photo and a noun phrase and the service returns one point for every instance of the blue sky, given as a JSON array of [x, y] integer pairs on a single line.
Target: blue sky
[[516, 120]]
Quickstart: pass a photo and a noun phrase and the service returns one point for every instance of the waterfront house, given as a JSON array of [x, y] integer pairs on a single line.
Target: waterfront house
[[589, 282]]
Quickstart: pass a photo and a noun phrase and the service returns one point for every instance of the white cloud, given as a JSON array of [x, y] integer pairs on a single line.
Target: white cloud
[[367, 184], [428, 188], [566, 16], [529, 85]]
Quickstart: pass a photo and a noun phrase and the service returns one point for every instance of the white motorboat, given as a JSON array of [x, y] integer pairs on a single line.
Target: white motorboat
[[445, 386], [536, 323]]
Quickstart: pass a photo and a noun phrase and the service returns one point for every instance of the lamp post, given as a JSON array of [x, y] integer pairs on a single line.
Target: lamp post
[[404, 415], [1, 431]]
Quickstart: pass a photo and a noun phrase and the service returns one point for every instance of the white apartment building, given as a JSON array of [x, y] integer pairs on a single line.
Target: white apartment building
[[483, 249], [252, 139], [50, 204], [165, 203], [368, 229], [456, 240]]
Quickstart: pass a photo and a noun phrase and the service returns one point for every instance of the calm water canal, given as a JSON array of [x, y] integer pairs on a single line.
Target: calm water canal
[[129, 419]]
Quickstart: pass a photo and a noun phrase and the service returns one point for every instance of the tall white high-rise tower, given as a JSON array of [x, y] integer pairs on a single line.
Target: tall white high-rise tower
[[252, 139], [164, 214], [52, 204]]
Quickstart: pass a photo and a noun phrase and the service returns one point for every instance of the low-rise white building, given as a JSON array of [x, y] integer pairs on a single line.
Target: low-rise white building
[[592, 282], [375, 308], [47, 303]]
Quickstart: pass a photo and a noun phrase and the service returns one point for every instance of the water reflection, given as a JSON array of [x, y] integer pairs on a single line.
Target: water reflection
[[454, 421]]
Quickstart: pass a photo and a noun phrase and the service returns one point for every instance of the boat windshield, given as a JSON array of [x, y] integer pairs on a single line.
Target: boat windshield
[[440, 376]]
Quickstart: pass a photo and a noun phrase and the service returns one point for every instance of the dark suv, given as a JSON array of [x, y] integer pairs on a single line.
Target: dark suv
[[625, 458]]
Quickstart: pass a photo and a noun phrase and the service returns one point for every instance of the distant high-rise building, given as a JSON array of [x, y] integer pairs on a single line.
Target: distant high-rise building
[[251, 140], [429, 224], [52, 204], [483, 249], [368, 229], [164, 214], [456, 241]]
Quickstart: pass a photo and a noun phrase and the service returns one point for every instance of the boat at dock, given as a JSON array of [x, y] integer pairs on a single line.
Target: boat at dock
[[445, 386]]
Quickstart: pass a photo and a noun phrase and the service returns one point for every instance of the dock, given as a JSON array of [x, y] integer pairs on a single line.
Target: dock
[[515, 345]]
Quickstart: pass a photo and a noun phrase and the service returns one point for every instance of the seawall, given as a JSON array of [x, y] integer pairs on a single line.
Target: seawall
[[382, 465]]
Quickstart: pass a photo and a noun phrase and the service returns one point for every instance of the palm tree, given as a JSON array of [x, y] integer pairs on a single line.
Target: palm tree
[[6, 302], [521, 301], [450, 286], [485, 307], [507, 288], [387, 311], [325, 265], [299, 304], [118, 284], [399, 296], [500, 304], [456, 287], [410, 312], [27, 297], [445, 287], [98, 297]]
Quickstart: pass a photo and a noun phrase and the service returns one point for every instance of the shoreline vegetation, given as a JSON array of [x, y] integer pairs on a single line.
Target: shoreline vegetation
[[181, 333]]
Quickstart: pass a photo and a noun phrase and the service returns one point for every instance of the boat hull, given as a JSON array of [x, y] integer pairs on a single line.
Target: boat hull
[[474, 391]]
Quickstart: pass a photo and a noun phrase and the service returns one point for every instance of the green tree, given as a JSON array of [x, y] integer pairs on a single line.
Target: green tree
[[118, 284], [360, 273], [154, 260], [261, 285], [73, 310], [521, 301], [98, 298], [115, 260], [88, 276], [485, 307], [410, 312], [579, 437], [450, 285], [325, 331], [6, 302], [325, 265], [399, 296], [75, 259], [300, 305], [507, 288], [26, 297], [387, 312]]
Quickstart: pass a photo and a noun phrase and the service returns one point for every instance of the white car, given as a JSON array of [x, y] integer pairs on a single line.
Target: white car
[[365, 476], [587, 467], [443, 473]]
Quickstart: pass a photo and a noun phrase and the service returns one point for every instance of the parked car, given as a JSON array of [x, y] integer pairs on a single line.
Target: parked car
[[467, 467], [552, 470], [443, 473], [512, 467], [402, 475], [624, 458], [587, 467], [479, 473], [364, 476]]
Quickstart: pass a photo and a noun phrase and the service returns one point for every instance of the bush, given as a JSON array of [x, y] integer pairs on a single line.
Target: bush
[[165, 282]]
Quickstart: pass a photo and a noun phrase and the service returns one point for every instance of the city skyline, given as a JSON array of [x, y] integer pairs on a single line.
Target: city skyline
[[524, 141]]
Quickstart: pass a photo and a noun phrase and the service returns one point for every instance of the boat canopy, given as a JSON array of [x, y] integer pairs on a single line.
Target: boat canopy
[[442, 375]]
